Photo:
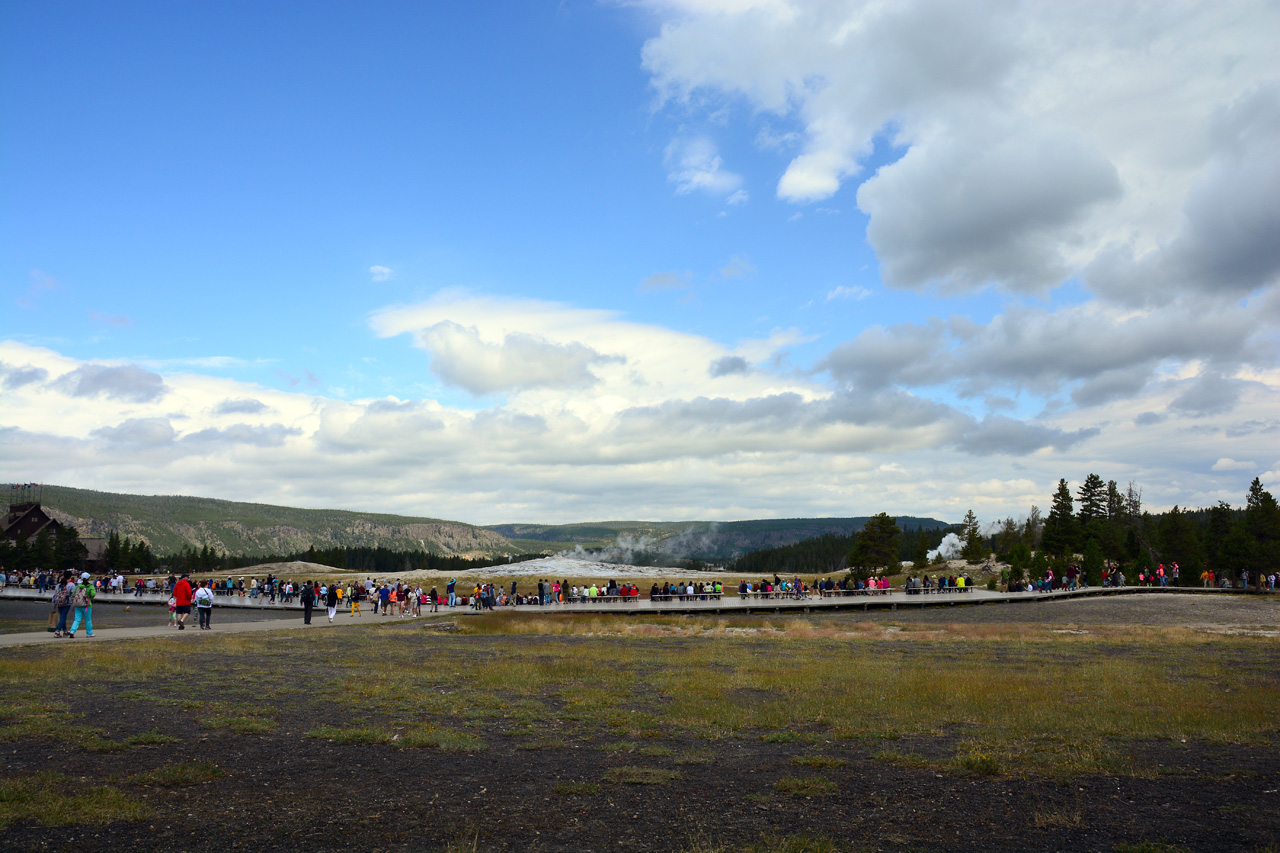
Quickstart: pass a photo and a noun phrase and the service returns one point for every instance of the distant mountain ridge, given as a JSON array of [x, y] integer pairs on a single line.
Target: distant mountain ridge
[[701, 540], [170, 522]]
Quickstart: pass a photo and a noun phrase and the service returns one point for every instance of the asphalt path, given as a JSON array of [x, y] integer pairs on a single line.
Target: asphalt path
[[116, 624]]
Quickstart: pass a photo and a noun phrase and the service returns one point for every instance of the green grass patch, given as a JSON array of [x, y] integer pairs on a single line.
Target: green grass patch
[[181, 775], [579, 789], [618, 746], [819, 761], [805, 786], [641, 775], [445, 740], [784, 737], [901, 759], [351, 734], [242, 725], [51, 799], [975, 762]]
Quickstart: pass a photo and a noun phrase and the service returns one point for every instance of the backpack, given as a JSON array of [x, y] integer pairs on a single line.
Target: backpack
[[60, 595], [80, 598]]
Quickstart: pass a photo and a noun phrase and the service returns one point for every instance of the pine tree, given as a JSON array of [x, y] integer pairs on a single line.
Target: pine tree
[[1093, 500], [1060, 527], [1033, 528], [112, 553], [975, 549], [1092, 563], [1179, 544], [920, 560], [1262, 524], [876, 545], [1115, 502], [1008, 537]]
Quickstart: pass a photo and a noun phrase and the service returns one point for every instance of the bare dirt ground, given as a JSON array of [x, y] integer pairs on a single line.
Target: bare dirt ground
[[561, 785]]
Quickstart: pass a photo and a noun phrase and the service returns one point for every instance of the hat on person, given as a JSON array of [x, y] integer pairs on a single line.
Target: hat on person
[[84, 576]]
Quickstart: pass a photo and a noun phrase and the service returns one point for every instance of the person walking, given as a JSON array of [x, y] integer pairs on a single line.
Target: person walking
[[356, 592], [62, 602], [204, 606], [308, 597], [331, 600], [434, 598], [182, 598], [82, 600]]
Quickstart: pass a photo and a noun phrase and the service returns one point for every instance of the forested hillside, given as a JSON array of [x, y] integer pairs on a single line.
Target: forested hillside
[[168, 523], [645, 543]]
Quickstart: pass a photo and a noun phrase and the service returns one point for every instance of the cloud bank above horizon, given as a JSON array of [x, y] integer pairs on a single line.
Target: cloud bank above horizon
[[932, 256]]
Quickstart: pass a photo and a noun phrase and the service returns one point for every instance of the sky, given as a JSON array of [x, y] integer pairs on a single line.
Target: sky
[[663, 259]]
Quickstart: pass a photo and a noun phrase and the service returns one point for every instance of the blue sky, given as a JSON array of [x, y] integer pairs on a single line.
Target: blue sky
[[703, 259]]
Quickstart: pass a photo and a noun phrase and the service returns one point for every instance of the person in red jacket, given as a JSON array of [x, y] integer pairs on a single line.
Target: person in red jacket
[[182, 594]]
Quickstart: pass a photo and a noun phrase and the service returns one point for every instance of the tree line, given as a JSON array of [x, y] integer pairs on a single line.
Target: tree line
[[879, 543], [364, 559], [59, 550], [1099, 524]]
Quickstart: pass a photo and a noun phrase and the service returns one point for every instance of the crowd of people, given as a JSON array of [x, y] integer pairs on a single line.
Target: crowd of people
[[72, 593], [925, 584]]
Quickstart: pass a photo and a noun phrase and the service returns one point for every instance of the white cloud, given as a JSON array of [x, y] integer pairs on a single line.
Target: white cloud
[[1226, 464], [738, 197], [379, 273], [846, 292], [1032, 147], [515, 363], [666, 281], [737, 267], [695, 165]]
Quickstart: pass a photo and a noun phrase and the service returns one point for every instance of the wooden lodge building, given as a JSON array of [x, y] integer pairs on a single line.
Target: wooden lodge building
[[24, 521]]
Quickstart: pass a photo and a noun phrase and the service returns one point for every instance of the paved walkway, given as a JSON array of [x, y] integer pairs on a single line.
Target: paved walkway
[[319, 622]]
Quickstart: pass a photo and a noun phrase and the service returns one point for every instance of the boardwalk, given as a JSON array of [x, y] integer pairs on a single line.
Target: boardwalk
[[731, 603]]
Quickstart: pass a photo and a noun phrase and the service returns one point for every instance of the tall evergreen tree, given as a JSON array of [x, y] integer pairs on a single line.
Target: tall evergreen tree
[[1092, 563], [1262, 524], [876, 545], [975, 546], [1059, 537], [1115, 502], [1008, 538], [1180, 544], [112, 553], [1033, 528], [1093, 501], [69, 550]]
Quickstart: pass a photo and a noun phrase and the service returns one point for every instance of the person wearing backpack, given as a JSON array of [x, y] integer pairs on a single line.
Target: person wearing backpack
[[62, 603], [82, 600], [204, 605], [308, 601]]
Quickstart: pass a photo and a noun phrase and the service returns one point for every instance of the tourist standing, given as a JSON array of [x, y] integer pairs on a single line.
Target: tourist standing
[[62, 602], [331, 600], [204, 606], [308, 601], [82, 600], [182, 596]]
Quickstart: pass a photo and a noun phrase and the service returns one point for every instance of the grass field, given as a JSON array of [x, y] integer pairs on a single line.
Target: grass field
[[582, 710]]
